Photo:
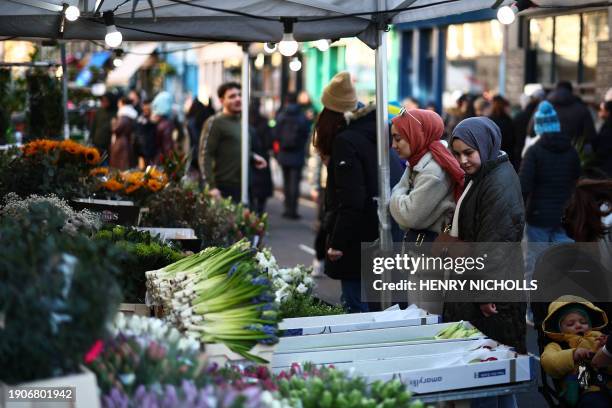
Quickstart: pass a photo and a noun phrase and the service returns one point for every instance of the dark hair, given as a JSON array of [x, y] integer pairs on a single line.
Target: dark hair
[[125, 100], [499, 106], [583, 213], [565, 85], [608, 106], [147, 101], [329, 124], [291, 97], [223, 88]]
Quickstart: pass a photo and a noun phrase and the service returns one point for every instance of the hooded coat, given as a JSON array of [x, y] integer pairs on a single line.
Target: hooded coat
[[558, 356], [574, 115], [548, 175], [492, 212], [352, 183]]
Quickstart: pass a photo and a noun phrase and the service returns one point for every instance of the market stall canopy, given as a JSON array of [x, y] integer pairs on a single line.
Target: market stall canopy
[[132, 62], [220, 20]]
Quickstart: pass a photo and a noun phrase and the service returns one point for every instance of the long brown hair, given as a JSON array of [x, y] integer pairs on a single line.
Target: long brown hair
[[329, 124], [583, 213]]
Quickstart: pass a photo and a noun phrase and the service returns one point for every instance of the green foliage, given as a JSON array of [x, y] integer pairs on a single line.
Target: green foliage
[[140, 252], [46, 112], [43, 174], [305, 306], [331, 388], [215, 222], [57, 292]]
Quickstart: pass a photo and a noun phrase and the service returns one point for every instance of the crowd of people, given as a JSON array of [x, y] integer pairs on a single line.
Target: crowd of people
[[477, 175]]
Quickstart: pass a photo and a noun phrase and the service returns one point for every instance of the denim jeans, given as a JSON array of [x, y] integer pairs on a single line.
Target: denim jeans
[[351, 296], [545, 236]]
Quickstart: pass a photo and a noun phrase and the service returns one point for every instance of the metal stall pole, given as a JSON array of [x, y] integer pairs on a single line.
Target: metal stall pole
[[382, 131], [245, 146], [65, 90]]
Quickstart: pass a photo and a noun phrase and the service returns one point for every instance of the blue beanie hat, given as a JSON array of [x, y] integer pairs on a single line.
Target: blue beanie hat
[[546, 119]]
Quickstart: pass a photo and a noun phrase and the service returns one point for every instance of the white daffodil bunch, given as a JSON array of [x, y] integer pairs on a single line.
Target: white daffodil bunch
[[286, 282], [153, 330]]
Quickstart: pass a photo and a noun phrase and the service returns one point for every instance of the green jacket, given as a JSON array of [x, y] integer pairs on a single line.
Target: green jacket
[[219, 153]]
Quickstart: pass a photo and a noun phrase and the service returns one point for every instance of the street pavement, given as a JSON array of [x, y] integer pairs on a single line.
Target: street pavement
[[292, 242]]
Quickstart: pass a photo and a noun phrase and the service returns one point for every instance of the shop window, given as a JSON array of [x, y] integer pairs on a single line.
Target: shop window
[[472, 57], [565, 47], [595, 28]]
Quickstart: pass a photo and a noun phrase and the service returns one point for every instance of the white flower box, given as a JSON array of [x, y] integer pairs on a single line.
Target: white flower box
[[283, 361], [375, 337], [302, 326]]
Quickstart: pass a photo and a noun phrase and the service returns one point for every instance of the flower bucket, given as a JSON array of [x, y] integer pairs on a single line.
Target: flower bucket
[[83, 394]]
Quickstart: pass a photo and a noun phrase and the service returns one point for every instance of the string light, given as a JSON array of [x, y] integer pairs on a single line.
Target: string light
[[113, 37], [295, 64], [507, 14], [72, 13], [322, 45], [288, 46], [270, 47]]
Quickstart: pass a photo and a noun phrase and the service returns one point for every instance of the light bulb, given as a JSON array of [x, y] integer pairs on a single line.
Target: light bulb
[[270, 47], [72, 13], [507, 14], [295, 64], [288, 46], [113, 37], [322, 45], [117, 62]]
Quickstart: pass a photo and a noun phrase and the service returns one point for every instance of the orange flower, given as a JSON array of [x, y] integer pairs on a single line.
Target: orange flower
[[132, 176], [154, 185], [112, 185], [99, 171], [92, 156], [71, 147], [133, 188]]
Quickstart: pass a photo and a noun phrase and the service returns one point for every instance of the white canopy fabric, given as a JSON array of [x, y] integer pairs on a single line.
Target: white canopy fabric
[[179, 20]]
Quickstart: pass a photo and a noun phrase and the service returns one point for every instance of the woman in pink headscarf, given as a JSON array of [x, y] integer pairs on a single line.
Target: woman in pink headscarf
[[422, 203]]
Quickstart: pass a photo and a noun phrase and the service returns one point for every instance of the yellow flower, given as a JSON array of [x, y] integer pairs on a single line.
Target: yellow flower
[[133, 176]]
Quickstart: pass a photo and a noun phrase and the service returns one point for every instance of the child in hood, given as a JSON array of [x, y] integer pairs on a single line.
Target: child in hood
[[573, 323]]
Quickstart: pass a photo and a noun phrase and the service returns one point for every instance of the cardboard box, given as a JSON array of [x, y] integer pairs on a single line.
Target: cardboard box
[[351, 322], [112, 211], [85, 386], [283, 361], [137, 309], [420, 375], [375, 337], [221, 354]]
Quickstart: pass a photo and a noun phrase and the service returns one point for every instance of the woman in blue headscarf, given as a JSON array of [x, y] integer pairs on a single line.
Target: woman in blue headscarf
[[490, 210]]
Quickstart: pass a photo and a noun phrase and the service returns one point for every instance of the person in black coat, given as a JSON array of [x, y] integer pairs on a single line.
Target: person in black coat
[[521, 122], [499, 115], [261, 143], [548, 175], [345, 138], [574, 115], [602, 144], [292, 133], [490, 212]]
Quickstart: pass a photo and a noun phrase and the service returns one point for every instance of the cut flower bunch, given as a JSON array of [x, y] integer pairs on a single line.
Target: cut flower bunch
[[129, 182], [219, 295]]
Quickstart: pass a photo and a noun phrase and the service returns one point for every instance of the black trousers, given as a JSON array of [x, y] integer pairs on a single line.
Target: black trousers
[[292, 176], [230, 191]]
